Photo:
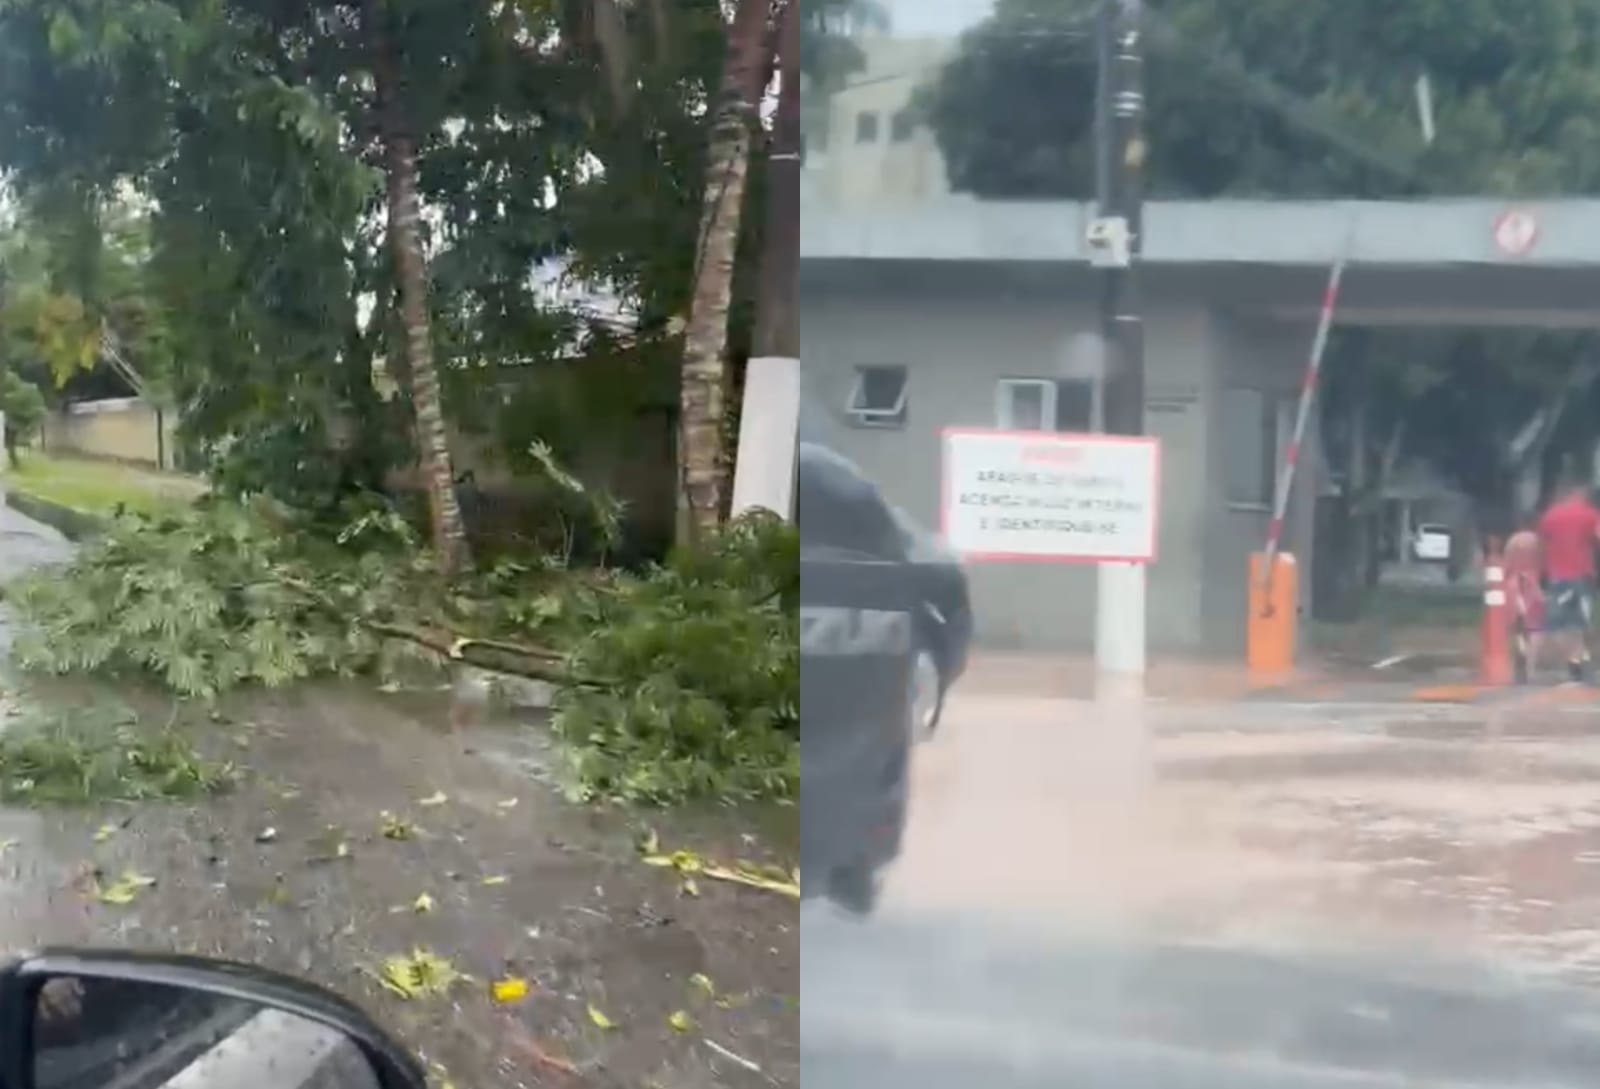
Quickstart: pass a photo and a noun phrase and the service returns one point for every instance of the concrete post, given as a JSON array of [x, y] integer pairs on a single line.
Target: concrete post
[[763, 474]]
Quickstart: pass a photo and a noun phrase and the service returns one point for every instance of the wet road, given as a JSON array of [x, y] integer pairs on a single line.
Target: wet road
[[24, 870], [1263, 894], [24, 546], [517, 883]]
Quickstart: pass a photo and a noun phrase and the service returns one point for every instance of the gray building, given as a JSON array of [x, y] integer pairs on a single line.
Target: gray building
[[957, 312]]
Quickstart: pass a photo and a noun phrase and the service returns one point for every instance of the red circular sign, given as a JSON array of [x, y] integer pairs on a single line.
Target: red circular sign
[[1515, 232]]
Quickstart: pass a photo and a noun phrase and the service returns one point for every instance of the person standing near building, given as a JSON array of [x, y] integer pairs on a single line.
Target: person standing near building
[[1525, 595], [1569, 532]]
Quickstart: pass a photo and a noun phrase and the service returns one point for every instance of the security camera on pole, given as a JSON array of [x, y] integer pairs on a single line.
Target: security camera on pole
[[1114, 243]]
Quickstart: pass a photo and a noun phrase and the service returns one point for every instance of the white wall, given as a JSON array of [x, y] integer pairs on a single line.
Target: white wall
[[958, 339]]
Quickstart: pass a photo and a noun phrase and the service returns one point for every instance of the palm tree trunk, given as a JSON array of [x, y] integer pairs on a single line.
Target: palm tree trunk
[[405, 240], [704, 376]]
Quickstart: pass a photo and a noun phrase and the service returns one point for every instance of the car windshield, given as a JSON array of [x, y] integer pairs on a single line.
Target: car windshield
[[1223, 345]]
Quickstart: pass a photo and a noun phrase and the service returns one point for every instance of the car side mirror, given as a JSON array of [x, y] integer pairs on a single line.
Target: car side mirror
[[80, 1020]]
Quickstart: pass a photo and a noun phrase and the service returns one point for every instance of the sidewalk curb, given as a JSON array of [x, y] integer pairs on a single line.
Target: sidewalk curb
[[70, 522]]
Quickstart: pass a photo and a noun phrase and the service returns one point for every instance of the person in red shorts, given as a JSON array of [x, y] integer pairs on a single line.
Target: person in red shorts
[[1569, 533], [1525, 595]]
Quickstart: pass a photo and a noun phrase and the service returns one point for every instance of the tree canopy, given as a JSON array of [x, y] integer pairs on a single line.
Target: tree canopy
[[1318, 98], [1286, 97], [250, 134]]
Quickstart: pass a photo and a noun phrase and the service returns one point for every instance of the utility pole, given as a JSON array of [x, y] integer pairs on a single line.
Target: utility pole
[[1115, 242], [764, 469]]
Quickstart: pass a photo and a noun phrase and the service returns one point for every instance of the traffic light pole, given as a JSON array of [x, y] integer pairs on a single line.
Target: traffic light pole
[[1115, 244]]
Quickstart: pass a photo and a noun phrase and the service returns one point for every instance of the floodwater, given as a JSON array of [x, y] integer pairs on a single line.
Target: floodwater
[[1137, 895]]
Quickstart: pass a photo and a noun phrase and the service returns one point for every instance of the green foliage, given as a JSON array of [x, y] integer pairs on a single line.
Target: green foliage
[[204, 599], [84, 756], [1285, 97], [24, 410], [700, 670], [1316, 98], [686, 680], [73, 272]]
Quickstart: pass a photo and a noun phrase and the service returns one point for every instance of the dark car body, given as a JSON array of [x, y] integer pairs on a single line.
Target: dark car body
[[942, 619], [857, 599]]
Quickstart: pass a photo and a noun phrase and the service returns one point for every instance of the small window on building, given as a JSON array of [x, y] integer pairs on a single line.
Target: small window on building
[[866, 127], [1042, 404], [878, 398], [1251, 435], [901, 126], [1025, 404]]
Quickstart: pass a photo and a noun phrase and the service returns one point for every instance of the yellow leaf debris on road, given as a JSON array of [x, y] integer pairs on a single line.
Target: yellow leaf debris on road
[[684, 862], [744, 874], [510, 989], [419, 974], [125, 889], [423, 904], [599, 1018], [688, 863], [493, 879], [396, 827], [104, 832], [680, 1021]]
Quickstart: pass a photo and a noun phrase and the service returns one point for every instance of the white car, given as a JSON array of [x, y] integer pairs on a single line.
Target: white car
[[1431, 544]]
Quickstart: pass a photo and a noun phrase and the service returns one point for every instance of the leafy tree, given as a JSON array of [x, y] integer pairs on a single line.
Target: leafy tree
[[24, 410], [689, 82], [72, 278], [283, 282], [342, 121], [1284, 97], [827, 53], [1316, 98]]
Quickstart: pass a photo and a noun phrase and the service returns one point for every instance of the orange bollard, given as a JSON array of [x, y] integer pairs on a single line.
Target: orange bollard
[[1274, 615], [1495, 656]]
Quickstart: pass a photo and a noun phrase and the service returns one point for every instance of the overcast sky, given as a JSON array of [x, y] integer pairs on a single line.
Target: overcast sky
[[934, 18]]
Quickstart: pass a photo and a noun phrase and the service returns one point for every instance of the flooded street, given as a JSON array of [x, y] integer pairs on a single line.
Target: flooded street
[[1469, 829], [1140, 865]]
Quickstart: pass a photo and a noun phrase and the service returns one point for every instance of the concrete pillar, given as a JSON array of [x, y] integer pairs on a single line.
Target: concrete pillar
[[769, 426], [1120, 630]]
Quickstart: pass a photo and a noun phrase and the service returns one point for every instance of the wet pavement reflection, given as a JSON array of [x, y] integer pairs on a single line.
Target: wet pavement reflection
[[1382, 838], [1469, 829]]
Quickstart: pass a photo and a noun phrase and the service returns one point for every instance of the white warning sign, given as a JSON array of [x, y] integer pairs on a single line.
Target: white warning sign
[[1029, 495]]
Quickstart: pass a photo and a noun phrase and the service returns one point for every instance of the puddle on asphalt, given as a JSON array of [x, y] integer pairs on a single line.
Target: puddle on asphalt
[[1471, 829]]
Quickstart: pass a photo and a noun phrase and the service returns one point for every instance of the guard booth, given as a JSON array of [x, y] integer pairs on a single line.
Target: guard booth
[[955, 313]]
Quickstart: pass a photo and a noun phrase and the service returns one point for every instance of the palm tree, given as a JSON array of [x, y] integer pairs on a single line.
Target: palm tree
[[405, 240], [704, 376]]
